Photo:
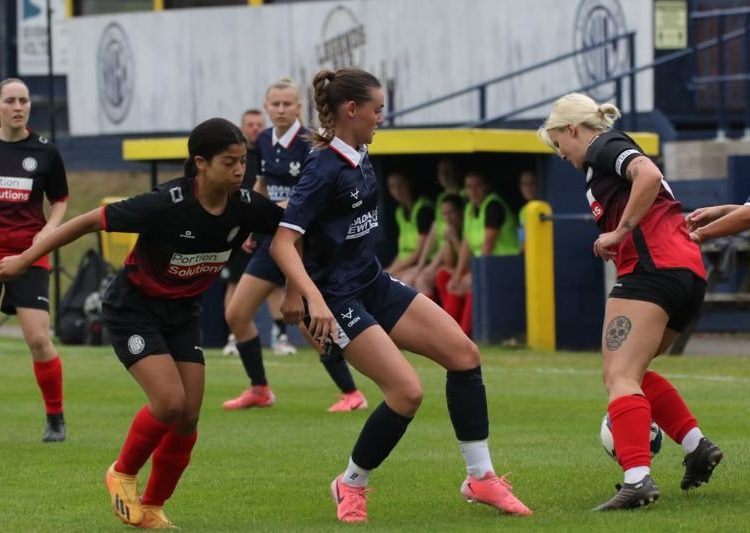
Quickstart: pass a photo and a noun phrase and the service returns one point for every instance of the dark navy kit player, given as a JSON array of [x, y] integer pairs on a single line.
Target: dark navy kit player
[[372, 316], [659, 289], [30, 170], [282, 151], [187, 229]]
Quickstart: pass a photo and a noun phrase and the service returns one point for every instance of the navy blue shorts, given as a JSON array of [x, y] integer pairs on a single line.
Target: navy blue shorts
[[382, 302], [28, 291], [261, 264], [140, 325], [678, 291]]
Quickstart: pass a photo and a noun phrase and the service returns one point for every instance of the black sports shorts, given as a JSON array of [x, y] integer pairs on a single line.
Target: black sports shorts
[[678, 291], [28, 291], [140, 325]]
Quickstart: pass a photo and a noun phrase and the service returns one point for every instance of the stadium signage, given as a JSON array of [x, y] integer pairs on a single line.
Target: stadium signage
[[115, 73], [343, 40], [595, 22]]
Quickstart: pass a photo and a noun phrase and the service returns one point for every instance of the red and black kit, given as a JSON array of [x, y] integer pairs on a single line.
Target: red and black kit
[[657, 261], [181, 249], [29, 170]]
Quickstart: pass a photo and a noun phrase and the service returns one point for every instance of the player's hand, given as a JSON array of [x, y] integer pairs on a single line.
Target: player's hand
[[292, 307], [11, 267], [702, 216], [696, 236], [322, 321], [606, 245], [250, 244]]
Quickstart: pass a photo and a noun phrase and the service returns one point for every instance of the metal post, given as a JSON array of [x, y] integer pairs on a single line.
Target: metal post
[[482, 102], [747, 79], [631, 76], [154, 175], [721, 133], [53, 138]]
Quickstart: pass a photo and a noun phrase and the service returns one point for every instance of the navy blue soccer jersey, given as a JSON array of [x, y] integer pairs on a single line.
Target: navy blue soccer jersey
[[335, 207], [181, 247], [281, 159]]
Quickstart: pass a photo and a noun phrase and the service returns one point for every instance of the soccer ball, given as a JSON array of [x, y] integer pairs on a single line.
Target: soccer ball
[[608, 443]]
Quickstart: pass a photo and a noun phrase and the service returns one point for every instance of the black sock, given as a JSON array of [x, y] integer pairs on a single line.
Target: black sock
[[281, 325], [335, 364], [467, 404], [252, 360], [380, 434]]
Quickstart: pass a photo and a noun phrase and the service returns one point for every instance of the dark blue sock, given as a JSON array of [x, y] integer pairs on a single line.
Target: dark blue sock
[[252, 359], [380, 434], [335, 364], [467, 404]]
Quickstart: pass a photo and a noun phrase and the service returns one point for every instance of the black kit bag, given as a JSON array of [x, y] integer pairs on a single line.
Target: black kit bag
[[71, 327]]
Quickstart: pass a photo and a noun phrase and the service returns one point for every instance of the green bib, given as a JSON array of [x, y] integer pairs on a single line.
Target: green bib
[[506, 242], [408, 232]]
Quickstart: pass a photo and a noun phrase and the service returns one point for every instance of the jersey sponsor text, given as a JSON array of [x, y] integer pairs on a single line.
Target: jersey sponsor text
[[191, 265], [362, 225], [15, 189]]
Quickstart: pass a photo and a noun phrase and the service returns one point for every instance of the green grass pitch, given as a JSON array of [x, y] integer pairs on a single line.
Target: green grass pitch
[[269, 470]]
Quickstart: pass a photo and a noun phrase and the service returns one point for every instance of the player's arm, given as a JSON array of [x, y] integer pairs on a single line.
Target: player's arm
[[733, 222], [705, 215], [14, 266], [56, 214], [429, 243], [286, 255], [494, 219]]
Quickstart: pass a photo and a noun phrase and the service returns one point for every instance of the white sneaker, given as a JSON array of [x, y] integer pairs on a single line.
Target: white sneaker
[[280, 345], [231, 346]]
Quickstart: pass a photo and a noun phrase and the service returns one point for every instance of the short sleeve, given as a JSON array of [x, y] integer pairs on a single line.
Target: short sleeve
[[308, 201], [134, 215], [263, 215], [56, 185], [613, 153], [425, 217], [494, 215]]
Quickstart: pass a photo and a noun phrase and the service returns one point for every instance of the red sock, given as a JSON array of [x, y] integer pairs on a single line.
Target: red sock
[[630, 417], [144, 436], [466, 315], [49, 377], [441, 284], [667, 406], [170, 460]]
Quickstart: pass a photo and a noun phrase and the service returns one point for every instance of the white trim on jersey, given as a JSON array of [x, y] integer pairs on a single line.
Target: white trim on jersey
[[347, 152], [622, 157], [288, 137], [293, 227]]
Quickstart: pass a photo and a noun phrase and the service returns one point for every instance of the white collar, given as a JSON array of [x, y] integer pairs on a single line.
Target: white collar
[[288, 137], [352, 156]]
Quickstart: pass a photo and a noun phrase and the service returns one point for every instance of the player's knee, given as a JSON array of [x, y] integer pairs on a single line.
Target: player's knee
[[170, 408], [462, 354], [39, 343]]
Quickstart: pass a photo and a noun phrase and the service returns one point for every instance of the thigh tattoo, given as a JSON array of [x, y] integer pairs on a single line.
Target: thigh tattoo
[[617, 331]]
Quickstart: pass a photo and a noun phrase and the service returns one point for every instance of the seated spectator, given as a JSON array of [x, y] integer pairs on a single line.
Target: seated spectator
[[414, 217], [489, 228], [527, 186]]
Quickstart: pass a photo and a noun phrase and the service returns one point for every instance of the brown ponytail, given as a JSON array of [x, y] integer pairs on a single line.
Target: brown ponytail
[[333, 89]]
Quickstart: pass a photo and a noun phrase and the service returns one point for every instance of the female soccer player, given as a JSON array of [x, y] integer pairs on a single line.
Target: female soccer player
[[660, 286], [31, 168], [187, 229], [282, 150], [368, 313]]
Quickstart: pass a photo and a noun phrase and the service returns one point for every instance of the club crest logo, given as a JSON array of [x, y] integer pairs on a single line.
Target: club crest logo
[[29, 164], [115, 73], [294, 168], [136, 344]]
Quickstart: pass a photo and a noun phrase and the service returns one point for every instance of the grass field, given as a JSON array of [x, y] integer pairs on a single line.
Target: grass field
[[269, 470]]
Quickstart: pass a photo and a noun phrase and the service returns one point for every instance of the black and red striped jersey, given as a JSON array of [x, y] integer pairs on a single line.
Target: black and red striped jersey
[[181, 247], [661, 239], [30, 169]]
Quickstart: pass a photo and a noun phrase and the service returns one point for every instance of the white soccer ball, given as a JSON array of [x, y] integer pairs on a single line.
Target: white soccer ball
[[608, 443]]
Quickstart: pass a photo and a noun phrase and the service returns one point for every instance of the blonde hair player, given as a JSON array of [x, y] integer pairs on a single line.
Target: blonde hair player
[[660, 287], [370, 315]]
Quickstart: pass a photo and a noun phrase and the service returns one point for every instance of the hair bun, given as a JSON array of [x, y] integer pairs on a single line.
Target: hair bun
[[330, 76]]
